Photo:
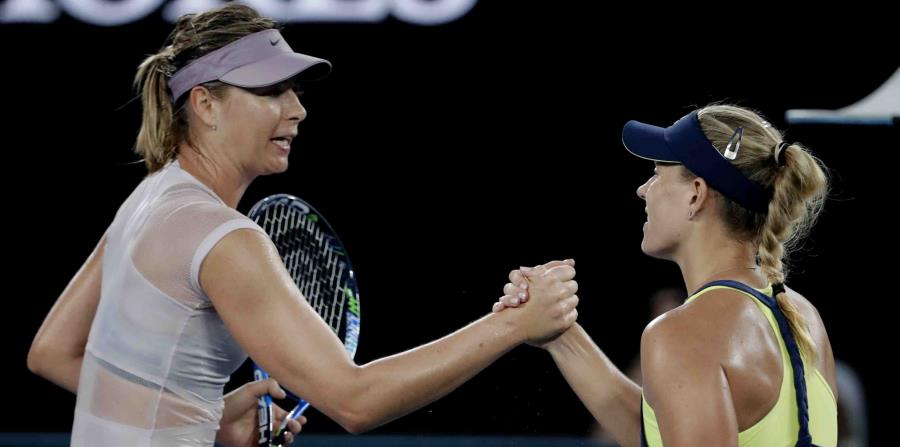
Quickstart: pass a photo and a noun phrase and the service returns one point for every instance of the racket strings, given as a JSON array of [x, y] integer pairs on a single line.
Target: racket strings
[[310, 259]]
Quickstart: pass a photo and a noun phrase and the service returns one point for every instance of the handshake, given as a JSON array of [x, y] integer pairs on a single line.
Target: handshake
[[542, 300]]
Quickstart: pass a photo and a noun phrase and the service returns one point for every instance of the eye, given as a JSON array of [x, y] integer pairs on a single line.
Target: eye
[[278, 89]]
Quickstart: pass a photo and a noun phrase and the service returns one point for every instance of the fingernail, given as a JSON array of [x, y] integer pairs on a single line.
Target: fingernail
[[521, 295], [525, 269], [523, 285], [514, 301]]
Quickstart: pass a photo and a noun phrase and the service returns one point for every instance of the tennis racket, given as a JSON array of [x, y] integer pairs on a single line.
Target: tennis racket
[[318, 263]]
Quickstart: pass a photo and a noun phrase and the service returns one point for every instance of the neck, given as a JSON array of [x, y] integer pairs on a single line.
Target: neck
[[716, 258], [223, 176]]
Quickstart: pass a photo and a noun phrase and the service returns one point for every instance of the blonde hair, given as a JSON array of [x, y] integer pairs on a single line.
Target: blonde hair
[[165, 125], [799, 182]]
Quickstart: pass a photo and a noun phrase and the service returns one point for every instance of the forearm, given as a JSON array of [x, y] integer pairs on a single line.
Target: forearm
[[62, 371], [608, 394], [57, 350], [399, 384]]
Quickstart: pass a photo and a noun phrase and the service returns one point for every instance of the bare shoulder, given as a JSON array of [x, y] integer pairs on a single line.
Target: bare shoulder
[[816, 326], [681, 359], [807, 309], [701, 330], [695, 331], [813, 319], [243, 267], [715, 313]]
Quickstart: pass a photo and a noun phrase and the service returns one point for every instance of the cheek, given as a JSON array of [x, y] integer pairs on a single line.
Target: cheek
[[665, 218], [255, 114], [269, 109]]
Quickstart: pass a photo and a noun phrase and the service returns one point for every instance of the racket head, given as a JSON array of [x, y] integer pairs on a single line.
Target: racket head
[[317, 261]]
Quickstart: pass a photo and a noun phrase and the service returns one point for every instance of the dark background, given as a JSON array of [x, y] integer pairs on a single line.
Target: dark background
[[447, 155]]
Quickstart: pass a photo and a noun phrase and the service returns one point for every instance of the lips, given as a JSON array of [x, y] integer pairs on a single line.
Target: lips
[[283, 142]]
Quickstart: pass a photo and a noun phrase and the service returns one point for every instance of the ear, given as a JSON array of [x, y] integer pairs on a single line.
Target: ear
[[701, 195], [204, 105]]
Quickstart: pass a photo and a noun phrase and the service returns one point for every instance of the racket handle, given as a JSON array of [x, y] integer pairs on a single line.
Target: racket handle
[[263, 411], [294, 414]]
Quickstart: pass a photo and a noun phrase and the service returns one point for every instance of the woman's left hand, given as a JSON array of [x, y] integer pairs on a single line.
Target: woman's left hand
[[239, 426]]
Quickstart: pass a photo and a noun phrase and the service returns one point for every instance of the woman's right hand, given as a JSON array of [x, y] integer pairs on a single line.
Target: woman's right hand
[[550, 291], [515, 292]]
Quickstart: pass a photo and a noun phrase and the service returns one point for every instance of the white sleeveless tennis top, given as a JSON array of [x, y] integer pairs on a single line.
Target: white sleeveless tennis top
[[158, 355]]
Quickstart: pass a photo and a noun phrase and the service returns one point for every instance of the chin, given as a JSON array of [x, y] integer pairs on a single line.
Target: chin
[[275, 166], [654, 252], [647, 251], [281, 168]]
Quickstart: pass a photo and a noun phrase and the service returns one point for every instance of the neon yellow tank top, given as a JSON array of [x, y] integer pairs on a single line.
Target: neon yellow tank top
[[780, 426]]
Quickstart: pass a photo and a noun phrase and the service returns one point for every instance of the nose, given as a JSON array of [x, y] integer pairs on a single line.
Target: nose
[[293, 110], [642, 190]]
